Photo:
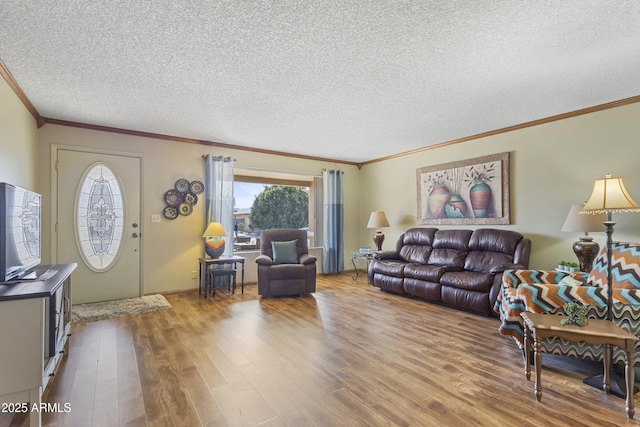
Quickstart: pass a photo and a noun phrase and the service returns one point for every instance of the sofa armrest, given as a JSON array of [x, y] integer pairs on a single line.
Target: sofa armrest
[[264, 260], [306, 259], [504, 267], [388, 255]]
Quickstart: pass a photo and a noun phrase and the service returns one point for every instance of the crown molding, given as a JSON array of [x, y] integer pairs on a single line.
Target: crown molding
[[601, 107], [190, 140], [4, 72]]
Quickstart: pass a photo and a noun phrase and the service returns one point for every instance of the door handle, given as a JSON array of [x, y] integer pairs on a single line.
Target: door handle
[[134, 235]]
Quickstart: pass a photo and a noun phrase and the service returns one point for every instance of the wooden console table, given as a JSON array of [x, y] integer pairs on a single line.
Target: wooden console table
[[594, 332]]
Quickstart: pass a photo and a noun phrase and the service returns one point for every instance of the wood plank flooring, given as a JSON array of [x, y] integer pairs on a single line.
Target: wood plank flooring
[[348, 355]]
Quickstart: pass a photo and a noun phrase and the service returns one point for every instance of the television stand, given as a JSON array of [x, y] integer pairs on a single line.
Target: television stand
[[35, 320]]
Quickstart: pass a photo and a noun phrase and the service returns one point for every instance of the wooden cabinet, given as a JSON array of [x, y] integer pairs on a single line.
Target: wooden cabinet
[[35, 318]]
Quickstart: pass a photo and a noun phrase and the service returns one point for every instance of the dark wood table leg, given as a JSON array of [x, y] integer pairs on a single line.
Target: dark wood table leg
[[235, 272], [527, 353], [242, 277], [538, 366], [606, 360], [629, 375]]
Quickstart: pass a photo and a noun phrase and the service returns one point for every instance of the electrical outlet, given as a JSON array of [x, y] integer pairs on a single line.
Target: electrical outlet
[[155, 219], [194, 274]]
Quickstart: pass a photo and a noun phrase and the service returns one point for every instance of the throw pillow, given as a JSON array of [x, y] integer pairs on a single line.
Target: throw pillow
[[285, 252]]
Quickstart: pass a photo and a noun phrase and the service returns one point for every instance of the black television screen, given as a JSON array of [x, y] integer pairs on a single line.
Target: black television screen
[[19, 231]]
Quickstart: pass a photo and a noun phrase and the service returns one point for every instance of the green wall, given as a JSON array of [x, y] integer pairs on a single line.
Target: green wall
[[171, 248], [18, 141], [553, 166]]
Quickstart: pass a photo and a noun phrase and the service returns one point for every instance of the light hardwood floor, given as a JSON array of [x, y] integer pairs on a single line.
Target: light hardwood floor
[[348, 355]]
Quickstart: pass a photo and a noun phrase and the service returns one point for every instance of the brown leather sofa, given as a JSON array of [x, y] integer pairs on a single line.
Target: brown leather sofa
[[457, 268], [297, 277]]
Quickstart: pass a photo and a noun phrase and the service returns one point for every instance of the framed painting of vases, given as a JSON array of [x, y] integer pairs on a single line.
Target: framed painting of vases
[[474, 191]]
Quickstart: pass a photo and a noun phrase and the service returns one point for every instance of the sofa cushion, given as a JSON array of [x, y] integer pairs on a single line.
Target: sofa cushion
[[419, 236], [452, 239], [450, 248], [287, 271], [429, 273], [470, 280], [492, 240], [416, 244], [465, 299], [450, 258], [389, 267], [389, 283], [488, 262], [415, 253], [421, 289]]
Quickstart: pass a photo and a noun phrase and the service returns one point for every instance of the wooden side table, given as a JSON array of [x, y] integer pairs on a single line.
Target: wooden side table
[[596, 331], [205, 282]]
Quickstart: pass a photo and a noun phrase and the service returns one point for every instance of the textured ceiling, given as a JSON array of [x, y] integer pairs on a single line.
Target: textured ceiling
[[352, 80]]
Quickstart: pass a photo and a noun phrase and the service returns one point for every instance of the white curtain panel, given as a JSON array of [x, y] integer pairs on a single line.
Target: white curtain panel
[[219, 195]]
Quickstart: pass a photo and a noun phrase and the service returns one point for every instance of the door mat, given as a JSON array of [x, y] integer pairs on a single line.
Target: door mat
[[116, 308]]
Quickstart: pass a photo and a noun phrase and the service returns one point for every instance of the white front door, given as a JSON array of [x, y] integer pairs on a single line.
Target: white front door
[[98, 223]]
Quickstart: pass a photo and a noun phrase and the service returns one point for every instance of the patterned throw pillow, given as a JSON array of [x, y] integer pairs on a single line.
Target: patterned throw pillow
[[625, 266]]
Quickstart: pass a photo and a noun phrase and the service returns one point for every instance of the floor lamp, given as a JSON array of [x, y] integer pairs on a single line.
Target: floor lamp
[[609, 195]]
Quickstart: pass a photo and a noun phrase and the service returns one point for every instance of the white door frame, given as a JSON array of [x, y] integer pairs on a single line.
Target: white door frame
[[54, 199]]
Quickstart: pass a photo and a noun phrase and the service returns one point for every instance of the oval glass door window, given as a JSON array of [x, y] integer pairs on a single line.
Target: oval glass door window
[[99, 217]]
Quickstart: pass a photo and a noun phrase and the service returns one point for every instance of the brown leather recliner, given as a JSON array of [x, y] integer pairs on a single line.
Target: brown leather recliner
[[296, 276]]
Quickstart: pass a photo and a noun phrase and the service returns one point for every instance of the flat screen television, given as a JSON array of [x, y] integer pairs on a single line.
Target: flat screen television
[[19, 231]]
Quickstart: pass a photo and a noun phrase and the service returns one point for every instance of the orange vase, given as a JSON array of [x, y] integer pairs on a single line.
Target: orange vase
[[438, 199], [214, 248]]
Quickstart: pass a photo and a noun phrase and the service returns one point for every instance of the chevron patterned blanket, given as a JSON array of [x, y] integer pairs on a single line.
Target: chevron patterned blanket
[[541, 291]]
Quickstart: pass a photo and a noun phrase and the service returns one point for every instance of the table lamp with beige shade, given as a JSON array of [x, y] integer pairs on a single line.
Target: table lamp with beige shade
[[377, 220]]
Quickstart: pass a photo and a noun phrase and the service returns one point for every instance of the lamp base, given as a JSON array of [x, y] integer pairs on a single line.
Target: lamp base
[[617, 385], [378, 238], [586, 251], [214, 248]]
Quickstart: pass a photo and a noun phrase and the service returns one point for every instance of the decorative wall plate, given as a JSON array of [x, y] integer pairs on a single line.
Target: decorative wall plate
[[182, 185], [173, 197], [197, 187], [185, 209], [170, 212], [190, 198]]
